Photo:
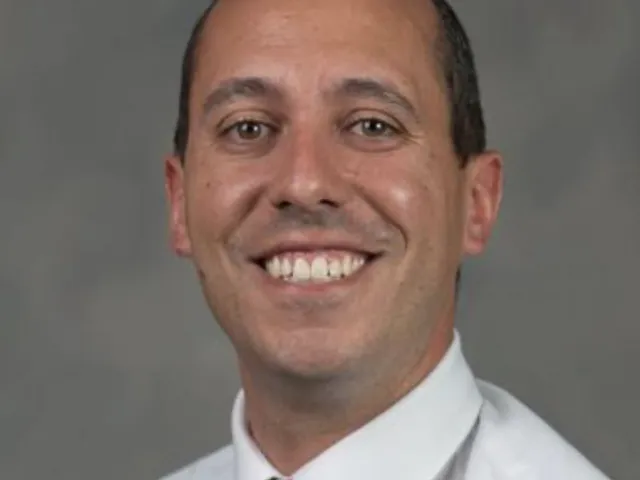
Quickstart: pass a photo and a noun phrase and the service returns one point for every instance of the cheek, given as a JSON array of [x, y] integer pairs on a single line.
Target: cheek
[[205, 203], [409, 195], [218, 197]]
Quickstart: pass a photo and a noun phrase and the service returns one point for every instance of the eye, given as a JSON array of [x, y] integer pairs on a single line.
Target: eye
[[248, 131], [373, 127]]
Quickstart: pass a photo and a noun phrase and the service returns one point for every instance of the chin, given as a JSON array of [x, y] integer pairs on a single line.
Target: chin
[[314, 355]]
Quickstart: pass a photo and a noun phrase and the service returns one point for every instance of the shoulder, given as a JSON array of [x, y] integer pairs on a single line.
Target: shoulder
[[514, 443], [217, 466]]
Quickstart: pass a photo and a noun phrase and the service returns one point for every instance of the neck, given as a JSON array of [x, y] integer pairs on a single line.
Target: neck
[[294, 420]]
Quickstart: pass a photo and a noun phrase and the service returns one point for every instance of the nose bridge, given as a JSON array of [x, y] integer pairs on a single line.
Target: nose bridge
[[307, 174]]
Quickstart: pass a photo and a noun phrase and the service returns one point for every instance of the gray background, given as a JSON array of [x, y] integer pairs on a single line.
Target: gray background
[[110, 365]]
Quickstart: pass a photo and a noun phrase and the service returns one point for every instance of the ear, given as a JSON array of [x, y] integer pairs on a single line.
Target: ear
[[174, 190], [484, 183]]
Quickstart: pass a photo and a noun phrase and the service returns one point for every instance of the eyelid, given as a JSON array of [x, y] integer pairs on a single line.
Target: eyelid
[[235, 123], [248, 115], [387, 119], [227, 129], [373, 113]]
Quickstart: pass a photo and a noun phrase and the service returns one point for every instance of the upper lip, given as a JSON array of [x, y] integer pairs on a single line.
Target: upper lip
[[307, 244]]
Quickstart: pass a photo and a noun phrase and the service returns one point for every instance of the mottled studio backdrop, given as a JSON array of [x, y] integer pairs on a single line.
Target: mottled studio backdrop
[[110, 365]]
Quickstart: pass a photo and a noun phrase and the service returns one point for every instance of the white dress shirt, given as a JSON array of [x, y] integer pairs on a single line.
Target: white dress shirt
[[449, 427]]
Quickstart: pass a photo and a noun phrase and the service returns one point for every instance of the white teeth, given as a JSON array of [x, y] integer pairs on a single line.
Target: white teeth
[[319, 268], [357, 264], [274, 267], [335, 268], [286, 269], [346, 265], [316, 268], [301, 270]]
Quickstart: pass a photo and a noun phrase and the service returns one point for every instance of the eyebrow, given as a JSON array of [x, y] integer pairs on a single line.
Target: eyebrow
[[257, 87], [240, 87], [371, 88]]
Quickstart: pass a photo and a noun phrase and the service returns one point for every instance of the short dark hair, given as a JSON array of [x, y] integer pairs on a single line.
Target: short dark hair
[[456, 57], [181, 132]]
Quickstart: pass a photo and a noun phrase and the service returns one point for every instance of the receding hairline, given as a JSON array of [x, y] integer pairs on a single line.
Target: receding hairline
[[446, 47], [438, 42]]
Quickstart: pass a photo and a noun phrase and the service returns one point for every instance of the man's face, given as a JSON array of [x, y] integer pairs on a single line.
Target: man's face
[[320, 199]]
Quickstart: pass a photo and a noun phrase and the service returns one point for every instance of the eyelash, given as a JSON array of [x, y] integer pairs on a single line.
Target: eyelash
[[394, 130], [388, 126], [226, 131]]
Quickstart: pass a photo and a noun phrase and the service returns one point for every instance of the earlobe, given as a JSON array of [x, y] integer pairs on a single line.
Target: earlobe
[[174, 190], [484, 195]]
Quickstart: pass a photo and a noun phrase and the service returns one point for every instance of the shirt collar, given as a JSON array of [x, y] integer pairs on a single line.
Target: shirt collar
[[415, 438]]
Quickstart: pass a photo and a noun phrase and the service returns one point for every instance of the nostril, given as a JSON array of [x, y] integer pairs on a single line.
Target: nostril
[[284, 205], [329, 203]]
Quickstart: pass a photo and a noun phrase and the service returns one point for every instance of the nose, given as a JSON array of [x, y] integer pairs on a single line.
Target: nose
[[308, 176]]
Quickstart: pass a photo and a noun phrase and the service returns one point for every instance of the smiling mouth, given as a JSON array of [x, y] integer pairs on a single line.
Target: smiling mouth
[[314, 267]]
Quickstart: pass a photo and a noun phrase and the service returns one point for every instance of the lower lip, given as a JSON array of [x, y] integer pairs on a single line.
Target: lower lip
[[285, 287]]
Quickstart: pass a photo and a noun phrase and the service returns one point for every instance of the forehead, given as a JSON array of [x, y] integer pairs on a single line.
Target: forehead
[[302, 43]]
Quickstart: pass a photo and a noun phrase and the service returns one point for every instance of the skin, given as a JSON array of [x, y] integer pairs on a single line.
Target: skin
[[316, 364]]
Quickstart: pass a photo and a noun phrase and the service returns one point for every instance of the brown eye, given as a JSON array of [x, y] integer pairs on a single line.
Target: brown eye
[[373, 127], [249, 130], [248, 134]]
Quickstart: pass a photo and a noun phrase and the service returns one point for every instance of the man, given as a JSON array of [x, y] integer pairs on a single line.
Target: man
[[330, 174]]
